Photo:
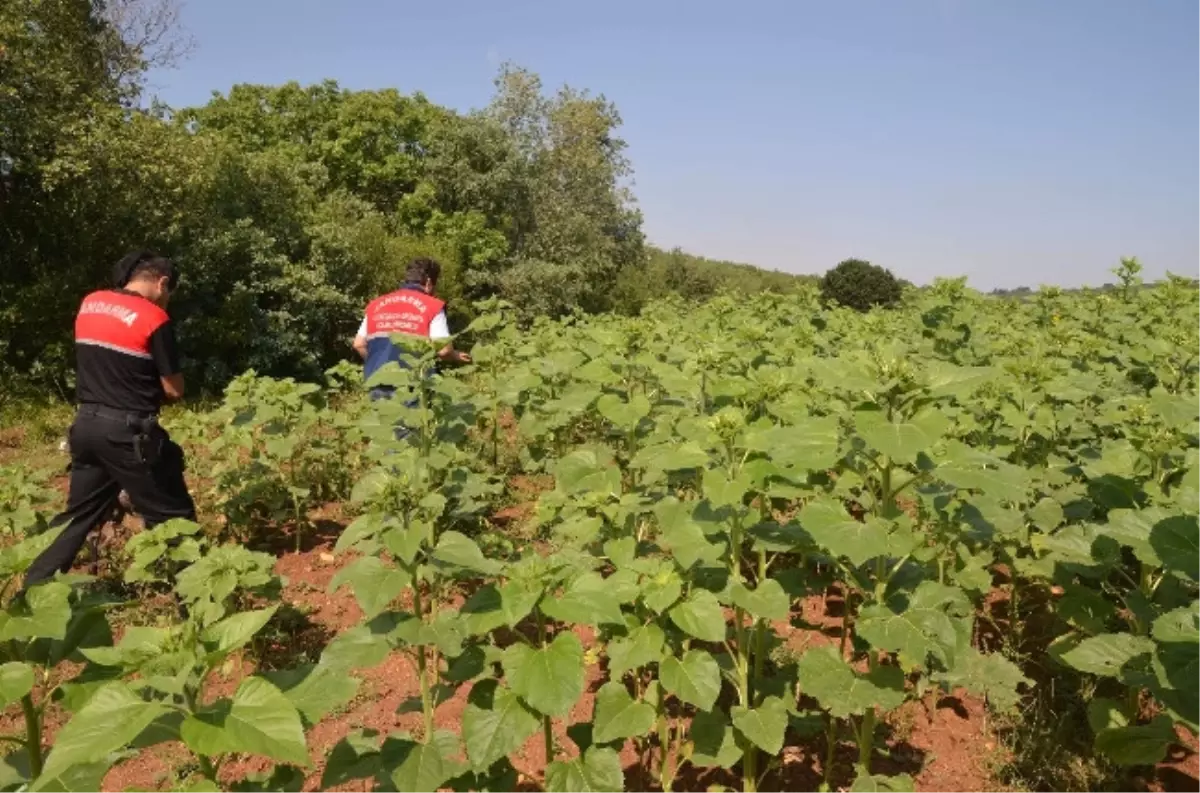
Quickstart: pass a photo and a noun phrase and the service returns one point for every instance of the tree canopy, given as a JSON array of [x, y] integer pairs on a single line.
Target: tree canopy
[[287, 207], [861, 285]]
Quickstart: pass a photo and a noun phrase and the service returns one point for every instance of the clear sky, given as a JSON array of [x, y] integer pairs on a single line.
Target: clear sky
[[1018, 142]]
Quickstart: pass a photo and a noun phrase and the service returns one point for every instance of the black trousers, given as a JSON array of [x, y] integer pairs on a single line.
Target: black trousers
[[107, 457]]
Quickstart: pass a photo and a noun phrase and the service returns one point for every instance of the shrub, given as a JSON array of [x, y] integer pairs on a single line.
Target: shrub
[[860, 285]]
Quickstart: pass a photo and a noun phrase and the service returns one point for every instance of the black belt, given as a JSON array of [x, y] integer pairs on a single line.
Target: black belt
[[130, 418]]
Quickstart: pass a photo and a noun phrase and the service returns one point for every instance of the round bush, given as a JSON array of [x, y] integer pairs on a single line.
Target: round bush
[[861, 285]]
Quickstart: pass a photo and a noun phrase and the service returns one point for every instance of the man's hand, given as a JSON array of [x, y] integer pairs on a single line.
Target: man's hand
[[360, 346], [448, 353], [172, 386]]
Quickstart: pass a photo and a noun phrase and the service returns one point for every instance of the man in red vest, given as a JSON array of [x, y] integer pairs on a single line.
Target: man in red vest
[[412, 310], [126, 366]]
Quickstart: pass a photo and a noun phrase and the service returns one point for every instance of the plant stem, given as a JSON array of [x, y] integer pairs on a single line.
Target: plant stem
[[830, 746], [664, 741], [750, 770], [189, 697], [884, 507], [760, 630], [33, 735], [299, 524], [866, 739], [426, 703], [547, 728]]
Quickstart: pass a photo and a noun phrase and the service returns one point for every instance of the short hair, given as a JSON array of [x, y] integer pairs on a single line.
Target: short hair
[[144, 264], [421, 269]]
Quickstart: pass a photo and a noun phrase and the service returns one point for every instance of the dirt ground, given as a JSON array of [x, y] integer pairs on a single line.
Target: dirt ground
[[947, 743]]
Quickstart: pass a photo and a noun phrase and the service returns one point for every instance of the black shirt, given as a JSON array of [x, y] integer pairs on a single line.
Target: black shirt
[[124, 344]]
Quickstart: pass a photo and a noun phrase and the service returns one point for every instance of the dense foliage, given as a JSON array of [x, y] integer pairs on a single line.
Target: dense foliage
[[860, 285], [1003, 494], [289, 207]]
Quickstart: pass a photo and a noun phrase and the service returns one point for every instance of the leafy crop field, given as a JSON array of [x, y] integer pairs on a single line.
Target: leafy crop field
[[756, 544]]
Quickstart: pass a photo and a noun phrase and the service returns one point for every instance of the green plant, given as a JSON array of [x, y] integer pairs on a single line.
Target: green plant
[[23, 495], [860, 285]]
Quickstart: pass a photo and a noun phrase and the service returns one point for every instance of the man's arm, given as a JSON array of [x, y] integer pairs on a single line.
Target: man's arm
[[172, 385], [360, 340], [165, 353], [439, 329]]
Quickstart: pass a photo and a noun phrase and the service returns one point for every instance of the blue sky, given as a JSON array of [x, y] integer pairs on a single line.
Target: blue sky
[[1012, 141]]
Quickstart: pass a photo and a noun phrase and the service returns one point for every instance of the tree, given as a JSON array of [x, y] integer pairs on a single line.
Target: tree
[[574, 227], [860, 285]]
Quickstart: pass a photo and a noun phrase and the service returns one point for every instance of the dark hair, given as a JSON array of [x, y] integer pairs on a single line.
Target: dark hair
[[139, 264], [420, 269]]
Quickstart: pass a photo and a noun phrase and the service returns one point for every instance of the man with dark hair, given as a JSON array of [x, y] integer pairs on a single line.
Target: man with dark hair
[[127, 365], [412, 310]]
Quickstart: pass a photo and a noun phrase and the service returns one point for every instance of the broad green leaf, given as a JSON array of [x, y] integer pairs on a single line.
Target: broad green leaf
[[588, 470], [458, 550], [767, 601], [1176, 665], [1142, 744], [714, 742], [112, 718], [587, 601], [16, 680], [683, 537], [991, 675], [405, 542], [902, 441], [809, 445], [825, 676], [259, 720], [1176, 541], [1085, 608], [921, 629], [672, 456], [45, 613], [1180, 625], [315, 691], [425, 766], [495, 724], [662, 589], [700, 615], [358, 648], [81, 776], [1104, 713], [643, 646], [945, 379], [235, 631], [446, 632], [598, 770], [866, 782], [971, 469], [722, 491], [625, 415], [1132, 527], [765, 725], [355, 756], [828, 523], [550, 678], [617, 716], [695, 679], [1047, 515], [1107, 655], [491, 606], [375, 584]]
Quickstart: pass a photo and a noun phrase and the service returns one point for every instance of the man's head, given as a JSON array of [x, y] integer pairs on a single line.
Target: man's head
[[152, 276], [424, 272]]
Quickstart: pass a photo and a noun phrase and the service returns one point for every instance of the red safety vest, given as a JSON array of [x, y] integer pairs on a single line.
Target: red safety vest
[[119, 322], [407, 311]]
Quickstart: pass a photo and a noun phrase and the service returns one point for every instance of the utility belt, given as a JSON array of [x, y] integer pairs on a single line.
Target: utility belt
[[148, 436]]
